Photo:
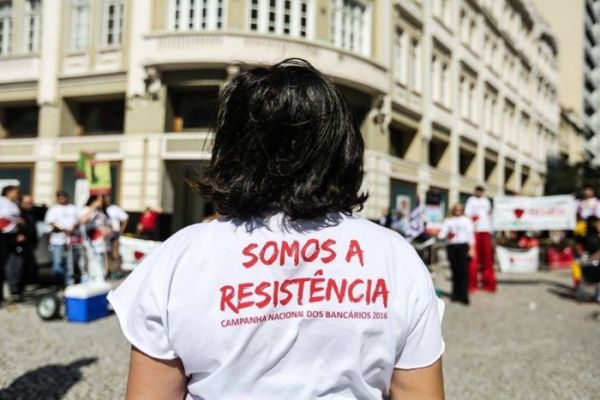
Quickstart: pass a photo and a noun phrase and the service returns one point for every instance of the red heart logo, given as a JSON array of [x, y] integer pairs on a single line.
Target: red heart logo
[[138, 255], [451, 235], [475, 218], [519, 212]]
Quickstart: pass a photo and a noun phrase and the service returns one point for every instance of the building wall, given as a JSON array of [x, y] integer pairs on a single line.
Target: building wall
[[471, 79], [568, 27]]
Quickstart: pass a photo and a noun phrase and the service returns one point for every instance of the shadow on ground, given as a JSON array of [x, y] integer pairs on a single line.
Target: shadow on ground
[[50, 382]]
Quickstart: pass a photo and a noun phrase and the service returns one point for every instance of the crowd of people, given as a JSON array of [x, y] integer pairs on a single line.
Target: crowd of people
[[83, 241], [467, 232], [468, 236]]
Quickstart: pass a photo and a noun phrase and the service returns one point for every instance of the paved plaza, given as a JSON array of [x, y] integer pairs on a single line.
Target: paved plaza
[[531, 340]]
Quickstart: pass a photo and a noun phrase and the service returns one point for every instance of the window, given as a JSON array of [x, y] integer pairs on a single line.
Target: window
[[473, 35], [401, 138], [19, 121], [98, 117], [437, 150], [435, 78], [33, 25], [489, 108], [350, 26], [399, 55], [303, 18], [254, 15], [445, 86], [193, 109], [21, 172], [272, 15], [440, 80], [280, 17], [112, 23], [5, 27], [468, 109], [195, 15], [441, 9], [414, 61], [80, 24]]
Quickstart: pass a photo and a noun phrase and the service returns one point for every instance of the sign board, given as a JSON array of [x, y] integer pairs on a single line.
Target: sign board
[[99, 177], [134, 250], [520, 213], [96, 172], [434, 215], [518, 260], [403, 204]]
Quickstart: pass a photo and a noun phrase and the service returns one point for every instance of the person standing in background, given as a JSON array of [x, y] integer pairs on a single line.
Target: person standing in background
[[386, 218], [588, 206], [398, 223], [62, 219], [457, 231], [479, 209], [29, 230], [10, 220], [147, 227], [117, 219], [97, 229]]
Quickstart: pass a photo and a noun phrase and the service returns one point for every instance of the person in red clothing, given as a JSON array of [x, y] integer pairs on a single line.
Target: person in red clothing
[[147, 227], [479, 209]]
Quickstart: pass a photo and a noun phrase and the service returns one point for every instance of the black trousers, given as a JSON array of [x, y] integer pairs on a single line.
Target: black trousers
[[458, 255], [13, 263]]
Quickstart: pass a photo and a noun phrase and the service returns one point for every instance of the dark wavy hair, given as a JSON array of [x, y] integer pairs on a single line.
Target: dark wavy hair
[[285, 141]]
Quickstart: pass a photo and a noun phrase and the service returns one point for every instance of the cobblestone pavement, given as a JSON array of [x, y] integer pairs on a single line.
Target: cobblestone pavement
[[530, 340]]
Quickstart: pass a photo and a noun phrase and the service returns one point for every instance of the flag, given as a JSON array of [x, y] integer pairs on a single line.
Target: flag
[[99, 177], [416, 222], [96, 172], [83, 165]]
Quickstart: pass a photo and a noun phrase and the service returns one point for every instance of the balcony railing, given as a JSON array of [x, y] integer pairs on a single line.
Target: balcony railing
[[19, 68], [178, 49]]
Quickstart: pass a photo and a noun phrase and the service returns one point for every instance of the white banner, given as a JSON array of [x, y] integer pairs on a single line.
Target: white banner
[[519, 213], [517, 260], [134, 250]]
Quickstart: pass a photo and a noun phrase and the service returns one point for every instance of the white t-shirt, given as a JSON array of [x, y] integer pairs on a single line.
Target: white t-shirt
[[64, 217], [9, 214], [457, 230], [589, 207], [95, 228], [116, 215], [479, 209], [257, 311]]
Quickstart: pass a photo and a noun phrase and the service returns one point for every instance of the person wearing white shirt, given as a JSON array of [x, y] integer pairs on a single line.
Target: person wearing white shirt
[[588, 206], [10, 219], [95, 224], [117, 219], [479, 209], [289, 294], [63, 221], [457, 231]]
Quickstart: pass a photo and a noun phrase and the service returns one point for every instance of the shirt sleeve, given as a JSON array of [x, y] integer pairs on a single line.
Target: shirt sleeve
[[469, 208], [49, 218], [424, 344], [444, 230], [123, 216], [140, 303], [470, 231]]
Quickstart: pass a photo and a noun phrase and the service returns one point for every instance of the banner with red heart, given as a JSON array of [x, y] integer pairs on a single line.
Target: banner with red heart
[[519, 212]]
